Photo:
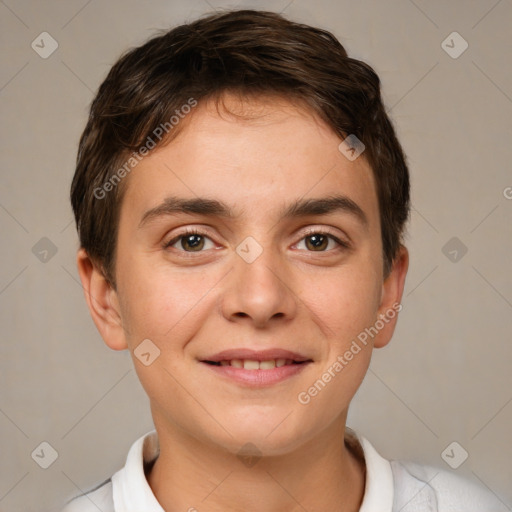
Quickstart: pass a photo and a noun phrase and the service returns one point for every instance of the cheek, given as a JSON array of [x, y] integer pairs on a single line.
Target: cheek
[[344, 303], [164, 306], [346, 308]]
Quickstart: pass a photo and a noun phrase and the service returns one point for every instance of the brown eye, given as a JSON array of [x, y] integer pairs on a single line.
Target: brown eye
[[317, 242], [195, 242], [190, 241]]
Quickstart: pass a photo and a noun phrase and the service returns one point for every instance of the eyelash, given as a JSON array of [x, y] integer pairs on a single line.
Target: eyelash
[[310, 232]]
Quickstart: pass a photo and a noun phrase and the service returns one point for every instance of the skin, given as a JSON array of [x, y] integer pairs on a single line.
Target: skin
[[193, 304]]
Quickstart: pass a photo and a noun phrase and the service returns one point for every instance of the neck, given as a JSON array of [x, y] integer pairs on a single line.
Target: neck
[[322, 474]]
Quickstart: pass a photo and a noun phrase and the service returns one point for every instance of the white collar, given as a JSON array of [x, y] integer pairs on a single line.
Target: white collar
[[379, 488], [130, 489], [132, 493]]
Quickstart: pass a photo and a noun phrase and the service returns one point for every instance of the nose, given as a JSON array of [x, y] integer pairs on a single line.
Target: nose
[[260, 292]]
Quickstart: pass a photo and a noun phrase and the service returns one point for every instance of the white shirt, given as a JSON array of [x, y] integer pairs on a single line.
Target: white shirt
[[391, 486]]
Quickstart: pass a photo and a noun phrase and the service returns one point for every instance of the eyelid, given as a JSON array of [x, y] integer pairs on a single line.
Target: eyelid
[[343, 241], [203, 231]]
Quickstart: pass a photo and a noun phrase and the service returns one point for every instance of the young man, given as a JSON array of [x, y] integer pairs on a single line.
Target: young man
[[240, 197]]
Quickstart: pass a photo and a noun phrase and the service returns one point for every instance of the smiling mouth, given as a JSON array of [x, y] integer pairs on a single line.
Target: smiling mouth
[[257, 369], [252, 364]]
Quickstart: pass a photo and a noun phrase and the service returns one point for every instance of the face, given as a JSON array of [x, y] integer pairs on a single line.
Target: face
[[247, 240]]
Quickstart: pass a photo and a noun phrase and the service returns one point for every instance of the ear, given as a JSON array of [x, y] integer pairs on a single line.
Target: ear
[[102, 301], [392, 290]]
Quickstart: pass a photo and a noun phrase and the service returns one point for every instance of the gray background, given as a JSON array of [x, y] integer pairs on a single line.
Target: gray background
[[445, 376]]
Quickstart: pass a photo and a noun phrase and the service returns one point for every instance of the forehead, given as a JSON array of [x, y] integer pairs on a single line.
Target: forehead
[[251, 153]]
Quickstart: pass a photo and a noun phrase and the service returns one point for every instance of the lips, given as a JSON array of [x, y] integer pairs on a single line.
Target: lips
[[256, 368], [245, 354], [253, 364]]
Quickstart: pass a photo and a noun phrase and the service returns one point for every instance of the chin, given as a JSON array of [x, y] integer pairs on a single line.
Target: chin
[[268, 437]]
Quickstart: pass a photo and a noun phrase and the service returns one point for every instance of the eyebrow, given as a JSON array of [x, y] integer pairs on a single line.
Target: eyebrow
[[212, 207]]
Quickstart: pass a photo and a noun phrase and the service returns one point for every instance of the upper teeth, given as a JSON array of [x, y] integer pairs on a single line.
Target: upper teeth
[[250, 364]]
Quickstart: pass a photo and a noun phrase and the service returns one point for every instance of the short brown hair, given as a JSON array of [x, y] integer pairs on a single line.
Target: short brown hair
[[244, 51]]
